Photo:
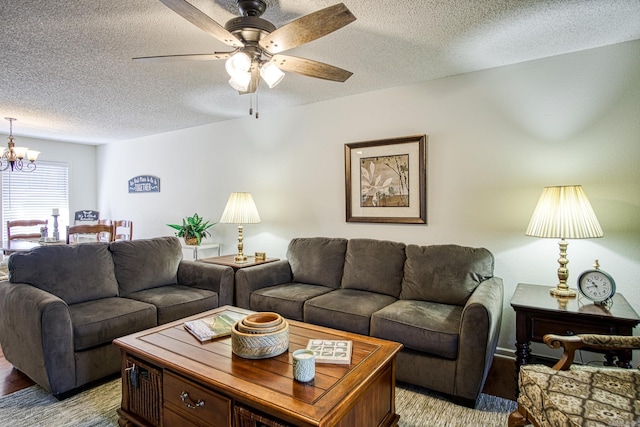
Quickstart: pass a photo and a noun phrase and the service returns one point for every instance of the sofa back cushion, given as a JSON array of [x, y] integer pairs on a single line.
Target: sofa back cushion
[[73, 273], [146, 263], [317, 260], [374, 266], [446, 274]]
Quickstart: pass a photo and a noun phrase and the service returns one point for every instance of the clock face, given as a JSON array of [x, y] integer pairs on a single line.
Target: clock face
[[596, 285]]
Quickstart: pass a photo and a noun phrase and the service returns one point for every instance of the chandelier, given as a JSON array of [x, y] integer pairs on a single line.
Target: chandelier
[[14, 156]]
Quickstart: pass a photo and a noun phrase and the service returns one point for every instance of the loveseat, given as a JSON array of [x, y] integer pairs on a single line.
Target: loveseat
[[441, 302], [64, 304]]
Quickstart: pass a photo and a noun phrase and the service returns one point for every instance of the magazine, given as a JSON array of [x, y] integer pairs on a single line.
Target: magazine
[[331, 351], [216, 326]]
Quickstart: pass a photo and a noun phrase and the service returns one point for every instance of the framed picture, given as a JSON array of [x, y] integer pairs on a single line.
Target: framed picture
[[386, 180]]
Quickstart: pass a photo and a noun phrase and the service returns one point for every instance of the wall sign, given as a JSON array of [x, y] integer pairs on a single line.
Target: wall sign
[[86, 216], [144, 184]]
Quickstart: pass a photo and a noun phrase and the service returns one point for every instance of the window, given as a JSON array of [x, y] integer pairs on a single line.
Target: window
[[34, 195]]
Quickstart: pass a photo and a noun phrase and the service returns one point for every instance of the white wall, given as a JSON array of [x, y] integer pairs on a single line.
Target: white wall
[[495, 139], [82, 171]]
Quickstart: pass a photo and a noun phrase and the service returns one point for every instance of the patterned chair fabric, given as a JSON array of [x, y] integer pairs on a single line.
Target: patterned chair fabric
[[579, 395]]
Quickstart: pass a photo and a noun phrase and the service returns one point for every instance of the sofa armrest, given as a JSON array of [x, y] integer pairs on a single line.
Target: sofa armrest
[[260, 276], [479, 329], [213, 277], [37, 335]]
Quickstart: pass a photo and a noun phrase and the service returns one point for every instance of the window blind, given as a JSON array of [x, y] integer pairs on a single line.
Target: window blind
[[34, 195]]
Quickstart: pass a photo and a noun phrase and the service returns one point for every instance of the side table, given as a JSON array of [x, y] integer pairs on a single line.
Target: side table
[[197, 249], [229, 260], [538, 313]]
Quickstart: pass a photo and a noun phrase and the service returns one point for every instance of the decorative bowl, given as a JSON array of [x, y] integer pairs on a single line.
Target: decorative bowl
[[263, 319], [261, 323], [260, 345]]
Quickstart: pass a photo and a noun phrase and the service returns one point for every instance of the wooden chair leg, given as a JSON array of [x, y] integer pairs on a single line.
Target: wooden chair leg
[[518, 417]]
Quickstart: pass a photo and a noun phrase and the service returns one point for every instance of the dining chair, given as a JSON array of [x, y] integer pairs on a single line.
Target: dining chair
[[122, 230], [20, 233], [106, 237], [98, 231]]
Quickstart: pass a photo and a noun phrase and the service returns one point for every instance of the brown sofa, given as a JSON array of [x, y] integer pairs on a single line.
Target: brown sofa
[[64, 304], [441, 302]]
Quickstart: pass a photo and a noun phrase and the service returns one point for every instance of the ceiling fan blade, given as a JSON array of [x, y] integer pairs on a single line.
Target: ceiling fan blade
[[307, 28], [202, 21], [192, 57], [311, 68]]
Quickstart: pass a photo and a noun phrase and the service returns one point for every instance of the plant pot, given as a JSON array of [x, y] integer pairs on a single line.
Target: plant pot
[[191, 240]]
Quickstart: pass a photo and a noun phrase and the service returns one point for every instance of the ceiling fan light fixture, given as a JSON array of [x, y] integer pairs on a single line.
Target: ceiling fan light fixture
[[240, 81], [238, 63], [271, 74]]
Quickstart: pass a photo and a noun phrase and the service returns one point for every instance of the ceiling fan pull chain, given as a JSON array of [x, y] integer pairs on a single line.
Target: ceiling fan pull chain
[[251, 106], [257, 112]]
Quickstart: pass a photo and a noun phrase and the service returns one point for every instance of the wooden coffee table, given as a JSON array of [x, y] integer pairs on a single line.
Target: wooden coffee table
[[180, 381]]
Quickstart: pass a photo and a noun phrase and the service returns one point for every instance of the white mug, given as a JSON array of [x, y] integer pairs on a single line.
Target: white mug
[[304, 365]]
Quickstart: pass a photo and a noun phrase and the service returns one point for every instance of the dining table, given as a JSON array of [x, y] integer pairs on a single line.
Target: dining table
[[24, 245]]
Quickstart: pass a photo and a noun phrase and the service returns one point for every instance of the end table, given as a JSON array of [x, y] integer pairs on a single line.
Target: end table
[[197, 249], [229, 260], [538, 313]]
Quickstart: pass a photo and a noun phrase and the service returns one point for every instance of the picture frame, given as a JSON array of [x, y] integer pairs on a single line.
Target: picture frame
[[386, 180]]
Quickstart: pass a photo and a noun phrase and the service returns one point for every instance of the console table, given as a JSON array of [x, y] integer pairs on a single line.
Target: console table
[[538, 313]]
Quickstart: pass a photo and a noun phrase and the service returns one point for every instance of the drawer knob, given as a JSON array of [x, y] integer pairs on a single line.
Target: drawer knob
[[188, 402]]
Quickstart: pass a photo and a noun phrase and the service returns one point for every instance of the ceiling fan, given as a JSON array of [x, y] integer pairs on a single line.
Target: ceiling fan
[[258, 43]]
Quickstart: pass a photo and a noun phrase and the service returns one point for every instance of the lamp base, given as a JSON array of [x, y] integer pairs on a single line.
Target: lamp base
[[240, 259], [563, 293]]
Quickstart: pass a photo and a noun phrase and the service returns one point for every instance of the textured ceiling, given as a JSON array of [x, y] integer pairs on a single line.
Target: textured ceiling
[[66, 69]]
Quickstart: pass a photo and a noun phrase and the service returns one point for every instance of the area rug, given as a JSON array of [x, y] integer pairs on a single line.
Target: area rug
[[417, 407]]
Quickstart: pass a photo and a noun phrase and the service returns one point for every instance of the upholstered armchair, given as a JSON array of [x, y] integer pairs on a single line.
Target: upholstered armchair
[[579, 395]]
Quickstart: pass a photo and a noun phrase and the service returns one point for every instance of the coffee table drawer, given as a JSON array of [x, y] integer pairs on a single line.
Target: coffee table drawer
[[195, 403]]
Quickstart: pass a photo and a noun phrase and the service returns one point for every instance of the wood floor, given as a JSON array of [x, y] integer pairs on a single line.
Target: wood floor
[[10, 378], [500, 380]]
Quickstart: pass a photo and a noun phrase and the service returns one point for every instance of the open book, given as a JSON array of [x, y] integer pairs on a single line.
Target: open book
[[218, 325]]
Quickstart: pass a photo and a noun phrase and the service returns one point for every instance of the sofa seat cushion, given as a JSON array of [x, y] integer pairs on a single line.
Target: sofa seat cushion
[[177, 301], [146, 263], [99, 322], [444, 273], [286, 299], [375, 266], [420, 325], [317, 260], [345, 309], [73, 273]]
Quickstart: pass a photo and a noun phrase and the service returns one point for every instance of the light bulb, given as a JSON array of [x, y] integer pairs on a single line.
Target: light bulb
[[271, 74], [240, 81], [238, 63]]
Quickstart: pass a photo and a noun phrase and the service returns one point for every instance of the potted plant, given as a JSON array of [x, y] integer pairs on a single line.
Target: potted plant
[[193, 229]]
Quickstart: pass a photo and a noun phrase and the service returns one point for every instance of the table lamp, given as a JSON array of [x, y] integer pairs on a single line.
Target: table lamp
[[564, 212], [240, 210]]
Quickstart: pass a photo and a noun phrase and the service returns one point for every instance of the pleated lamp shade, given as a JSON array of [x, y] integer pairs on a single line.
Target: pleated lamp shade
[[240, 209], [564, 212]]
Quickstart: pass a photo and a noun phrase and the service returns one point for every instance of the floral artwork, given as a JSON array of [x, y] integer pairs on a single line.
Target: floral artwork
[[384, 181]]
